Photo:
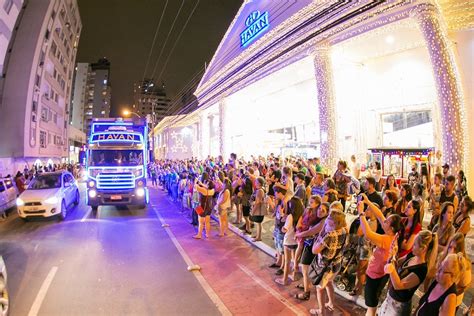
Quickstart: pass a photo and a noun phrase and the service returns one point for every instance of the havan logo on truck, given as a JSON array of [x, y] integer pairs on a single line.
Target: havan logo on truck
[[256, 24], [115, 137]]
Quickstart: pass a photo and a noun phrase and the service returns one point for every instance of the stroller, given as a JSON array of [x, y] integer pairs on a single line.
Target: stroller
[[346, 278]]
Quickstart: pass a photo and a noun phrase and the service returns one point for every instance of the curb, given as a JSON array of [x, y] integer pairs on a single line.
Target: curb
[[359, 300]]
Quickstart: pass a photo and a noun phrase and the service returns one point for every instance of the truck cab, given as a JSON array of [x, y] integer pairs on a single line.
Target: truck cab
[[116, 161]]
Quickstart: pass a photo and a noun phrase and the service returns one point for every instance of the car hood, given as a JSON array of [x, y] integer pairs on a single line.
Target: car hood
[[38, 195]]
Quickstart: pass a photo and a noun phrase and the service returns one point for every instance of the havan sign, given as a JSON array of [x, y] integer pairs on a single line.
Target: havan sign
[[115, 137], [256, 23]]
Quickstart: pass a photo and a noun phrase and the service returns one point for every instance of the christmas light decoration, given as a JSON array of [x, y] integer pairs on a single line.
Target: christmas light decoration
[[222, 108]]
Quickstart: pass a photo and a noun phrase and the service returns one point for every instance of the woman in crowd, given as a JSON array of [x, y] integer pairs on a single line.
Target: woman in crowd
[[294, 211], [405, 197], [246, 190], [391, 185], [330, 192], [457, 245], [462, 220], [407, 275], [444, 228], [328, 251], [280, 209], [440, 299], [376, 172], [258, 207], [206, 192], [375, 276], [417, 195], [342, 179], [461, 185], [412, 227], [308, 236], [389, 201], [287, 182], [223, 206]]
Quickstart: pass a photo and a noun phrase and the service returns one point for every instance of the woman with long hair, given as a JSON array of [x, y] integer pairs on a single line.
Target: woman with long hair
[[440, 299], [206, 192], [375, 276], [391, 184], [294, 212], [258, 211], [444, 228], [342, 179], [405, 197], [327, 263], [417, 195], [461, 184], [412, 227], [407, 275], [462, 220], [457, 245], [330, 192], [309, 235]]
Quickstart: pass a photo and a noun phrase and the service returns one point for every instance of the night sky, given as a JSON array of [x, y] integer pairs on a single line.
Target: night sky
[[123, 30]]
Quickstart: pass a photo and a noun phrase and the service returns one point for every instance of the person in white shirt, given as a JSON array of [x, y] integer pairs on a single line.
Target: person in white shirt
[[355, 167]]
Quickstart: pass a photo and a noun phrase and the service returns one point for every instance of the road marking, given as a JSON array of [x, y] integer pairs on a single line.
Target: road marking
[[42, 292], [207, 288], [86, 216], [275, 294]]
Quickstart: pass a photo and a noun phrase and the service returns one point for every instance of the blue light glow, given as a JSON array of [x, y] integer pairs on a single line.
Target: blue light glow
[[256, 24], [115, 137]]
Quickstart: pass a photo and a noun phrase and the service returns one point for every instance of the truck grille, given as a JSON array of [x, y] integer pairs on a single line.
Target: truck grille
[[115, 181]]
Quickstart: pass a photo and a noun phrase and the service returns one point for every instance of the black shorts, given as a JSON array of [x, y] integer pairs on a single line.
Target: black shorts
[[373, 289], [256, 218], [246, 210], [307, 256], [292, 247]]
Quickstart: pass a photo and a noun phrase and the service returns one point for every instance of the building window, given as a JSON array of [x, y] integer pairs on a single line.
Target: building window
[[7, 6], [42, 139], [44, 114]]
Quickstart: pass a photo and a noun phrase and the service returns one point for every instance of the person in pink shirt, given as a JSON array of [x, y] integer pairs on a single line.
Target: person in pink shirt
[[376, 279]]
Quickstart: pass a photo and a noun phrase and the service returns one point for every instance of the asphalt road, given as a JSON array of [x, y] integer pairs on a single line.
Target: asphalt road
[[120, 263]]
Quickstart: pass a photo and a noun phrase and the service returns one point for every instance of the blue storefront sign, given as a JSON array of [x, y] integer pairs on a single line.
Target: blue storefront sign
[[257, 23], [115, 137]]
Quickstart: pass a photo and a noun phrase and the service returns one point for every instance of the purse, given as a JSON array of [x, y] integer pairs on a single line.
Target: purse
[[199, 209], [313, 275]]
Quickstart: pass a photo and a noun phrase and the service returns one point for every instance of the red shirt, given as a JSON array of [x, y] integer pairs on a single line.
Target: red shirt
[[407, 236]]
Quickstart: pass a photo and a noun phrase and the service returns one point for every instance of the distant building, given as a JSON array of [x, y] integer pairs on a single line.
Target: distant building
[[38, 83], [78, 104], [150, 99]]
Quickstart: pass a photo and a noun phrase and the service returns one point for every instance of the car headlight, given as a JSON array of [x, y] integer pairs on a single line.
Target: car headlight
[[51, 200], [140, 192], [19, 202], [92, 193]]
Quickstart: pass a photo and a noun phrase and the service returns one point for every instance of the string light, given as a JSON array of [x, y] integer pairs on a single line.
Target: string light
[[222, 108]]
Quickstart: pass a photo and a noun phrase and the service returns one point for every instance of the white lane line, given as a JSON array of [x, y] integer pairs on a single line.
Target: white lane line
[[86, 216], [207, 288], [269, 289], [42, 292]]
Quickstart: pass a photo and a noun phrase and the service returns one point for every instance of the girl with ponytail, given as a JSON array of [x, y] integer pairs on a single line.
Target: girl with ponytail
[[408, 274], [456, 245], [375, 275], [440, 299]]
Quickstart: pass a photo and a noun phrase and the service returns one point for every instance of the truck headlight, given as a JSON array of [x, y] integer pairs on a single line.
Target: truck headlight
[[91, 184], [92, 193], [140, 192], [19, 202], [138, 172], [51, 200]]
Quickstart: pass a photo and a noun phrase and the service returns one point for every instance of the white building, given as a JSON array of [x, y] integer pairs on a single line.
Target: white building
[[38, 83], [150, 99], [9, 11]]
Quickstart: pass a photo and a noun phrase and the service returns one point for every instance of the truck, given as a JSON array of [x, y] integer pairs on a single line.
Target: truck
[[116, 162]]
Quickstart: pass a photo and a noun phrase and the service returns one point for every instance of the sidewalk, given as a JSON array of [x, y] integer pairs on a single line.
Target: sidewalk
[[238, 273]]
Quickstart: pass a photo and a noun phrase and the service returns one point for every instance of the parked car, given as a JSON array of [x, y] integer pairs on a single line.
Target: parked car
[[49, 194], [8, 194], [4, 298]]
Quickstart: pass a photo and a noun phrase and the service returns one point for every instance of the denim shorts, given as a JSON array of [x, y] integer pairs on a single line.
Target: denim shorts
[[391, 307], [278, 241]]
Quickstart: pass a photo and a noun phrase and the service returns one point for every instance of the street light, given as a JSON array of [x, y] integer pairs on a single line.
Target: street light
[[127, 113]]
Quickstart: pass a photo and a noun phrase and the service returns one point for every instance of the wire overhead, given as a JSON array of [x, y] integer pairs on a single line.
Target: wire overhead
[[154, 40]]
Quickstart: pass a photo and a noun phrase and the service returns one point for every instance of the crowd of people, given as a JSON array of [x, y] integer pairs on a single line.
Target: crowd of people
[[408, 238]]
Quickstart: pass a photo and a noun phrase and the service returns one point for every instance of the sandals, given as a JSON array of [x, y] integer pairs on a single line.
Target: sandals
[[329, 307], [281, 281], [303, 296], [274, 266], [316, 311], [197, 237], [300, 286]]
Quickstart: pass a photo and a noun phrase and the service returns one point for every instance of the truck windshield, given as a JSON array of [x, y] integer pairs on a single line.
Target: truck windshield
[[115, 157]]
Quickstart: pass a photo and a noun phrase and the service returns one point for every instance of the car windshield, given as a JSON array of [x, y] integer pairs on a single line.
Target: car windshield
[[115, 157], [49, 181]]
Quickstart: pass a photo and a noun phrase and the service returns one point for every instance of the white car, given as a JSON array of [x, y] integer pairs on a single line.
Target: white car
[[49, 194], [8, 195], [4, 298]]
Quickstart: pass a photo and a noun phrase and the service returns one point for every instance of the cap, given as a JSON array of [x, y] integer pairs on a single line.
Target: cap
[[446, 166]]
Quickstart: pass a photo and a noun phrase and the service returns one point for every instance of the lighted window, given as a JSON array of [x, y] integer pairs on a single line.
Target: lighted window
[[42, 139]]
